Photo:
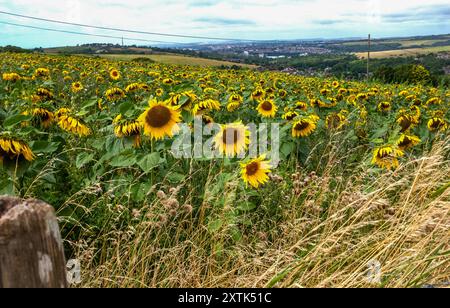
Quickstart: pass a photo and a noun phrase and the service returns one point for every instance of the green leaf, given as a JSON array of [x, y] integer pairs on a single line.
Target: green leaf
[[148, 162], [123, 108], [215, 225], [246, 206], [16, 119], [83, 159], [287, 148], [44, 146], [176, 178], [123, 160]]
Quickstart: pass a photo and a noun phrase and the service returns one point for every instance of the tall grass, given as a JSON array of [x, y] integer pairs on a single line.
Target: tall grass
[[320, 229]]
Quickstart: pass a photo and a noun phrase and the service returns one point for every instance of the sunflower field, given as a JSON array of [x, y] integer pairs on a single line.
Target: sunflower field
[[364, 173]]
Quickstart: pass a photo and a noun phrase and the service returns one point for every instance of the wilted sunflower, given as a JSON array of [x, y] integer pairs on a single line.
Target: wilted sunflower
[[258, 94], [124, 128], [114, 94], [43, 95], [11, 77], [206, 105], [233, 139], [384, 106], [290, 115], [255, 172], [406, 122], [406, 141], [12, 149], [387, 157], [114, 74], [41, 117], [267, 108], [301, 106], [234, 102], [336, 120], [304, 127], [437, 124], [160, 120], [73, 125], [77, 87], [133, 87]]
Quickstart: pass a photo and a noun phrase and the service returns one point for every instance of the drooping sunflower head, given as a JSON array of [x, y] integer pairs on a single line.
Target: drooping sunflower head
[[114, 94], [336, 120], [384, 106], [233, 139], [304, 127], [160, 120], [267, 108], [124, 128], [290, 115], [258, 94], [405, 121], [73, 125], [12, 149], [256, 171], [406, 141], [42, 117], [387, 157], [205, 106], [437, 124], [301, 106]]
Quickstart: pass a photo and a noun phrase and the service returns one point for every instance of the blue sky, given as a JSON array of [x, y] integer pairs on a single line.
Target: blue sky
[[253, 19]]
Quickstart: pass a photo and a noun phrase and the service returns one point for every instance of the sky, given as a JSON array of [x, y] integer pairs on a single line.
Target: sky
[[238, 19]]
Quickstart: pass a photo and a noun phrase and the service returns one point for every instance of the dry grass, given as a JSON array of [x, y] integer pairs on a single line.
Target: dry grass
[[330, 230], [403, 52], [178, 60]]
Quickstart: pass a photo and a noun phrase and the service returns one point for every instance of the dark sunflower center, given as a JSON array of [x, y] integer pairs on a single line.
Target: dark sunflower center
[[301, 126], [267, 106], [405, 142], [252, 168], [436, 124], [405, 123], [158, 116], [230, 136]]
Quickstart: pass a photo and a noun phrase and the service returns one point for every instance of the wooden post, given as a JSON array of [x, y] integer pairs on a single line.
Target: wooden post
[[368, 60], [31, 250]]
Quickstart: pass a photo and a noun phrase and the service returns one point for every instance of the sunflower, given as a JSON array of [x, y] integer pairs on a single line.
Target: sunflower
[[406, 141], [12, 149], [384, 106], [267, 108], [255, 172], [77, 87], [44, 94], [42, 72], [304, 127], [160, 120], [387, 157], [301, 106], [73, 125], [114, 94], [335, 84], [290, 115], [133, 87], [41, 117], [258, 94], [124, 129], [114, 74], [406, 122], [437, 124], [234, 102], [11, 77], [205, 105], [159, 92], [233, 139], [336, 120]]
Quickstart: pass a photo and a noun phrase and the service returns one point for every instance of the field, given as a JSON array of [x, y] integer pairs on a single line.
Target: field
[[178, 60], [165, 175], [403, 52]]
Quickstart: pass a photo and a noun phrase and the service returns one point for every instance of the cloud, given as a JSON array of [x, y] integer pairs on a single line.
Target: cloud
[[224, 21], [246, 19]]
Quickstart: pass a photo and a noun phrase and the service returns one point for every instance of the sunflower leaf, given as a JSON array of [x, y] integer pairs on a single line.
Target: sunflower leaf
[[149, 162], [16, 119]]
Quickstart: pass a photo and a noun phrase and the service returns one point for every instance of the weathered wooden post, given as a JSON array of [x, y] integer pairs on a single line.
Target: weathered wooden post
[[31, 250]]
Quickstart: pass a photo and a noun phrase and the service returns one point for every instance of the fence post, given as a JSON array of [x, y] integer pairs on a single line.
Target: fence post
[[31, 250]]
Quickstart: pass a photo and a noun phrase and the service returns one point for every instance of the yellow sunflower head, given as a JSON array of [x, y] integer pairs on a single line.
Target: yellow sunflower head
[[77, 87], [11, 149], [256, 171], [387, 157], [406, 141], [160, 120], [304, 127], [114, 74], [233, 139], [437, 124], [267, 108]]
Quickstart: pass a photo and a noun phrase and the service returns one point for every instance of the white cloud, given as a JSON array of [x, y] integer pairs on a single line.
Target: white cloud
[[259, 19]]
